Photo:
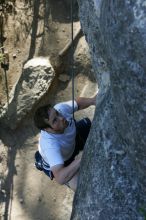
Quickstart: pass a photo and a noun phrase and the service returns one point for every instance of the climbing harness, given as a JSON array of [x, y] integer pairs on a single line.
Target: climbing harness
[[41, 165]]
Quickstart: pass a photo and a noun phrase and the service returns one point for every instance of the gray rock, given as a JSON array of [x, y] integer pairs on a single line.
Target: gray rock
[[112, 183], [34, 82]]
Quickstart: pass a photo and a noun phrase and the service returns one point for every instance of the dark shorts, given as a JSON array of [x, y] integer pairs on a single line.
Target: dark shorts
[[83, 127]]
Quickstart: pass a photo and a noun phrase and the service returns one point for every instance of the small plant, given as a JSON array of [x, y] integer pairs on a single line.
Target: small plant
[[143, 211]]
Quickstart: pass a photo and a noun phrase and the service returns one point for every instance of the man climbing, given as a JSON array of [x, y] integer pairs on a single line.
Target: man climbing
[[62, 138]]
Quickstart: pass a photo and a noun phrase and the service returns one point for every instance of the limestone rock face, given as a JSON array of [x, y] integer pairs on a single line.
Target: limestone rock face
[[34, 82], [112, 183]]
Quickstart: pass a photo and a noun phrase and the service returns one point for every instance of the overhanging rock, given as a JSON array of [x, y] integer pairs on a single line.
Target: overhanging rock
[[112, 183], [34, 82]]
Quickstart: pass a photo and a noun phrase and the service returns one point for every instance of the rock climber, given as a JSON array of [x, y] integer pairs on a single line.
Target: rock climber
[[62, 138]]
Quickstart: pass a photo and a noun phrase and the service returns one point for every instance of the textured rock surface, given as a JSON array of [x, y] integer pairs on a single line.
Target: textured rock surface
[[112, 182], [34, 82]]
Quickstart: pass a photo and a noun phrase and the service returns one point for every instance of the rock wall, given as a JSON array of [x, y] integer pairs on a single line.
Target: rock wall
[[112, 183]]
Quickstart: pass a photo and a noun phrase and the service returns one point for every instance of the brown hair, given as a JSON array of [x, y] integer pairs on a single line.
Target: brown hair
[[40, 115]]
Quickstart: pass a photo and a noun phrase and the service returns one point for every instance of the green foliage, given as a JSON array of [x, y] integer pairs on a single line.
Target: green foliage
[[143, 211]]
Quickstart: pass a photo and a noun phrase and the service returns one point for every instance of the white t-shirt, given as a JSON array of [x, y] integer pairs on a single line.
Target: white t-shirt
[[57, 148]]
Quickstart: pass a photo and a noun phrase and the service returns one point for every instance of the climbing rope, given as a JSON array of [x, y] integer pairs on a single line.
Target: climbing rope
[[72, 57]]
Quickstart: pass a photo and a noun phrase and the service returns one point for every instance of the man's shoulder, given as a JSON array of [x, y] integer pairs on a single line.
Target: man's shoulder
[[47, 138]]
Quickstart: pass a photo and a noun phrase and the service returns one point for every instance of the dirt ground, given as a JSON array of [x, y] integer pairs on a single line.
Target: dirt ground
[[26, 193]]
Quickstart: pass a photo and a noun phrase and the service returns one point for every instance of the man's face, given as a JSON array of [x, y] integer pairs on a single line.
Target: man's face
[[57, 122]]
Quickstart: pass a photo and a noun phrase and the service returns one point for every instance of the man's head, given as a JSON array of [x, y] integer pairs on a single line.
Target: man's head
[[40, 117], [49, 119]]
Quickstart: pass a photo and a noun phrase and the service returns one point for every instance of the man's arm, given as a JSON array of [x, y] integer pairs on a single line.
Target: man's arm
[[64, 174], [85, 102]]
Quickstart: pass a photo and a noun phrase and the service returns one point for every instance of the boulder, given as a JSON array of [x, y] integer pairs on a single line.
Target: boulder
[[34, 82], [112, 182]]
